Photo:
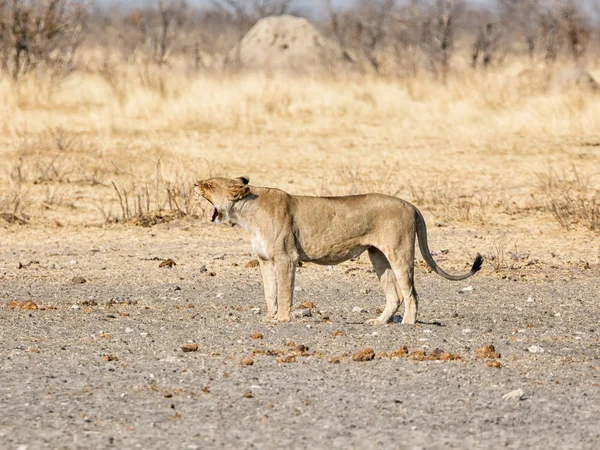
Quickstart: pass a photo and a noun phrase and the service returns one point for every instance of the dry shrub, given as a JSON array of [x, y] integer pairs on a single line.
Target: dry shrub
[[448, 203], [571, 199], [13, 202], [37, 34], [148, 204]]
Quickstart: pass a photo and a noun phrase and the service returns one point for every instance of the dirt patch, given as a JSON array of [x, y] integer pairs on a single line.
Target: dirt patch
[[113, 371]]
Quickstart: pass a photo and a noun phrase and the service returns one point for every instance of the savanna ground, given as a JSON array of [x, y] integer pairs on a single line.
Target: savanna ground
[[497, 164]]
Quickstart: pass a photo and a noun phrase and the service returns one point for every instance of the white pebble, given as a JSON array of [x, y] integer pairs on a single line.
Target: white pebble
[[517, 394], [535, 349]]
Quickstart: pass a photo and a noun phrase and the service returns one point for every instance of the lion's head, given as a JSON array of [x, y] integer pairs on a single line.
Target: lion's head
[[222, 193]]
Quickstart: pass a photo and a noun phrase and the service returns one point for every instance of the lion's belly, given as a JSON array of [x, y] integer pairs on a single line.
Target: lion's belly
[[332, 255]]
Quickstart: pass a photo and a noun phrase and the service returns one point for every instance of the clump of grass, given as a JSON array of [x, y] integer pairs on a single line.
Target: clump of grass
[[153, 202], [13, 202], [571, 199], [449, 204]]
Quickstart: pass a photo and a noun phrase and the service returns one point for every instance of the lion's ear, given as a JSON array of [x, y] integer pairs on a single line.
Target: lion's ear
[[243, 179], [238, 192]]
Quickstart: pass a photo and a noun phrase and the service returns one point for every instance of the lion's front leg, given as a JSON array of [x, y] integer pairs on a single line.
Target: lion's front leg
[[269, 276], [286, 273]]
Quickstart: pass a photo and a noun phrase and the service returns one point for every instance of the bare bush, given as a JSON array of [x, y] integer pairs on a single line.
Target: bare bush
[[551, 29], [154, 29], [150, 202], [571, 199], [34, 34], [13, 203]]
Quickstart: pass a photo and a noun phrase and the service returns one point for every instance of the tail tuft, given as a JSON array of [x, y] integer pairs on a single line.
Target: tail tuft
[[477, 263]]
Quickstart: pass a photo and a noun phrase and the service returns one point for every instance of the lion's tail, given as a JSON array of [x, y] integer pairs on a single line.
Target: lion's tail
[[422, 236]]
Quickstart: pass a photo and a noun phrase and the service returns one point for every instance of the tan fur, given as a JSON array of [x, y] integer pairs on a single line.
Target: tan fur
[[288, 228]]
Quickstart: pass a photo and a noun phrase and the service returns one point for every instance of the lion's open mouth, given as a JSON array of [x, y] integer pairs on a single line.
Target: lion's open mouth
[[213, 214]]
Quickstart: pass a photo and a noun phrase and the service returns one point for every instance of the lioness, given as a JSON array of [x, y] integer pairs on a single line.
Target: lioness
[[288, 228]]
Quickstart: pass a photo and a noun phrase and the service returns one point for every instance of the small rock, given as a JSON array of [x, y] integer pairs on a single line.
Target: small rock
[[189, 348], [358, 309], [517, 395], [202, 269], [252, 264], [419, 355], [466, 289], [298, 289], [487, 351], [255, 310], [73, 262], [535, 349], [110, 358], [247, 361], [364, 355], [364, 291], [402, 352], [256, 335], [494, 364], [307, 305], [248, 394], [75, 307], [168, 263], [287, 359], [302, 313], [530, 299], [128, 330], [78, 280]]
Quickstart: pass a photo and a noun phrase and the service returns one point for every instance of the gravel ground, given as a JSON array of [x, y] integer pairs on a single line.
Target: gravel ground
[[99, 364]]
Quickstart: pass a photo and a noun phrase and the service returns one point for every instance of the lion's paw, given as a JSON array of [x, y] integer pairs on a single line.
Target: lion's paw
[[374, 321]]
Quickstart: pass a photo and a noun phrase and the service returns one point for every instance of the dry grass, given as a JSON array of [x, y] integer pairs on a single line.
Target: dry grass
[[571, 199], [125, 142]]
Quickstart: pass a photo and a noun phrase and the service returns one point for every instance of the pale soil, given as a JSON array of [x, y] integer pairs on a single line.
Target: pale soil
[[56, 390]]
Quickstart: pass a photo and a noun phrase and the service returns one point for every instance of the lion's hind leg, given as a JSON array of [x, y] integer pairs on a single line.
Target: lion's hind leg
[[388, 281], [404, 271]]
